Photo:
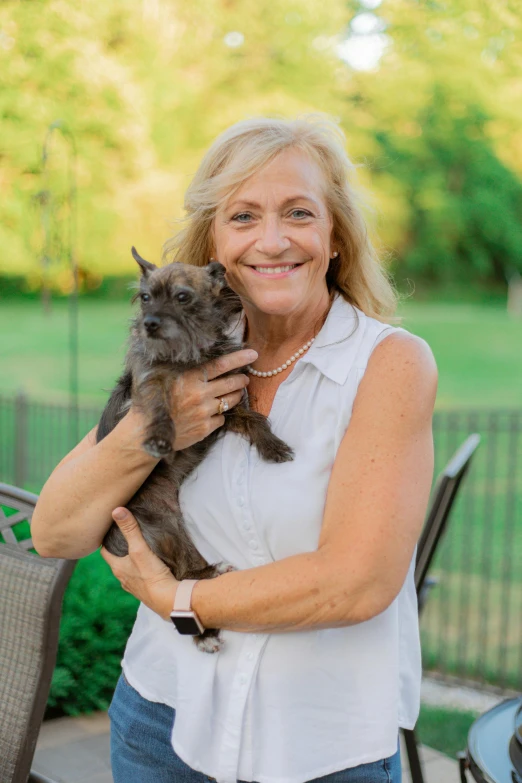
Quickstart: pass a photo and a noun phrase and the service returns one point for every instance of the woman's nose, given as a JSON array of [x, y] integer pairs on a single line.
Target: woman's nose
[[272, 240]]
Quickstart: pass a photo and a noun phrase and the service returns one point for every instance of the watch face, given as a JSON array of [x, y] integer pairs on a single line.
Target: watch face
[[186, 624]]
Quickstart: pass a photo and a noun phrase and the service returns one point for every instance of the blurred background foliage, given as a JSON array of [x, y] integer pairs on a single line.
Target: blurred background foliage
[[145, 86]]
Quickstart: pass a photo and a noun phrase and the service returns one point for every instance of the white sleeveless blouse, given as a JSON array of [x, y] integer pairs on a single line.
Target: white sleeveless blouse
[[284, 707]]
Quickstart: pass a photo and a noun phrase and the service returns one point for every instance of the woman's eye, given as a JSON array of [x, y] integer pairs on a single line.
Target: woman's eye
[[145, 297], [299, 214], [242, 217]]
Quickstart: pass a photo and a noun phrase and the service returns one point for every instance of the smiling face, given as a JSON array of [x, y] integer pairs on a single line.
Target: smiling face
[[273, 236]]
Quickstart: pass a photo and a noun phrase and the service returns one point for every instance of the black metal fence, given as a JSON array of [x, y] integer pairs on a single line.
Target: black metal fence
[[472, 624], [35, 436]]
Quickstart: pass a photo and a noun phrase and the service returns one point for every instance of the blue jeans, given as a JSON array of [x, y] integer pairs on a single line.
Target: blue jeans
[[141, 751]]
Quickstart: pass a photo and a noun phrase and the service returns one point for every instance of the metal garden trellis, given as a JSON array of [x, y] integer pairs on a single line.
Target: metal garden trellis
[[68, 245]]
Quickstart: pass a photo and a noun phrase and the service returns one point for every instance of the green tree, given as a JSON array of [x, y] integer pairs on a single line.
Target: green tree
[[437, 125], [465, 204], [144, 86]]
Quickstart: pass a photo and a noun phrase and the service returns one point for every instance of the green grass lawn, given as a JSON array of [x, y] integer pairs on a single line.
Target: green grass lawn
[[35, 357], [443, 729], [478, 349]]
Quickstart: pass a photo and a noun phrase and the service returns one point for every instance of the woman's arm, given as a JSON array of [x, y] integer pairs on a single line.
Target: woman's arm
[[73, 512], [376, 503]]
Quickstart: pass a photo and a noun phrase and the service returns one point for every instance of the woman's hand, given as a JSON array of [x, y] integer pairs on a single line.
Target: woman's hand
[[196, 395], [141, 572]]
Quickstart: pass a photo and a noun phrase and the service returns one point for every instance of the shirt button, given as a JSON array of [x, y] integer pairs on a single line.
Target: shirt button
[[243, 679], [253, 543], [250, 656], [241, 501]]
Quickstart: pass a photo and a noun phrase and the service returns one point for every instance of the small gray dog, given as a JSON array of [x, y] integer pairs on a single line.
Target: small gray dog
[[186, 315]]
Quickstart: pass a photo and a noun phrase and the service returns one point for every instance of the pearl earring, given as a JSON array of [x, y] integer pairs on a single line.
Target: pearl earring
[[212, 259], [334, 255]]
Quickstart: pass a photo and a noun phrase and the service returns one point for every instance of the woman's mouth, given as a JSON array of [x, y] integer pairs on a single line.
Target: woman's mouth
[[275, 271]]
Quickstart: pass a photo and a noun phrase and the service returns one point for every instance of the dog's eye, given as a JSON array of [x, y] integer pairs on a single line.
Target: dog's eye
[[183, 296], [145, 297]]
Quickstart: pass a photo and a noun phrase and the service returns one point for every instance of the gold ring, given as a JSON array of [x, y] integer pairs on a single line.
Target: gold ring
[[223, 406]]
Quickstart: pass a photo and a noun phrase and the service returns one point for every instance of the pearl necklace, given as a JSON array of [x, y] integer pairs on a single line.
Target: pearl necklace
[[284, 366]]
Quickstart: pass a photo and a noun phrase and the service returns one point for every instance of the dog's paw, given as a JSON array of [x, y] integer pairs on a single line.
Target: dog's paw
[[275, 450], [283, 454], [224, 568], [208, 644], [157, 447]]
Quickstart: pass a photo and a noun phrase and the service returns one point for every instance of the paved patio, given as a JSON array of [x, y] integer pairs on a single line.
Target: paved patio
[[76, 750]]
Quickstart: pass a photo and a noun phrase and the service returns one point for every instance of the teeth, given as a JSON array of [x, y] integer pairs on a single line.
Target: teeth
[[274, 270]]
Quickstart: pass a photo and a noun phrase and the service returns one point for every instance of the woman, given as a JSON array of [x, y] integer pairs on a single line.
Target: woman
[[320, 665]]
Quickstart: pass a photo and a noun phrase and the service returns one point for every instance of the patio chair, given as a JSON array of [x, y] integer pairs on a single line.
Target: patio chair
[[443, 498], [31, 593]]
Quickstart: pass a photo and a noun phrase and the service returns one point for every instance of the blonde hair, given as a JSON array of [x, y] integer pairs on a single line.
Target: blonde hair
[[244, 149]]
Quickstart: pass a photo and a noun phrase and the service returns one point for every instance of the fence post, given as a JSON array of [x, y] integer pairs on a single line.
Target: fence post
[[21, 445]]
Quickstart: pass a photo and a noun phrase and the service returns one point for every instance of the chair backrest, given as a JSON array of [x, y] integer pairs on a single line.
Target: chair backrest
[[443, 498], [31, 593]]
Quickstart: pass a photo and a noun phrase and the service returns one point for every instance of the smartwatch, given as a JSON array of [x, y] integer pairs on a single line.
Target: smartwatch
[[184, 618]]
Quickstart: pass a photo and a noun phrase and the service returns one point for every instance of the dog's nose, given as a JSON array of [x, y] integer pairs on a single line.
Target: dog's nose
[[152, 323]]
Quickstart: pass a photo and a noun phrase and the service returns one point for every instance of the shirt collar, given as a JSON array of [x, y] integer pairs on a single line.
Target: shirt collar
[[332, 352]]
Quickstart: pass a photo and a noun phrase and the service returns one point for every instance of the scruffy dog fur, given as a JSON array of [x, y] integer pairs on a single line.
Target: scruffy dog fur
[[186, 313]]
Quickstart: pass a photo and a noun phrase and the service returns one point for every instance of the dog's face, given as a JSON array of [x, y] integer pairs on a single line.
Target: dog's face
[[180, 314]]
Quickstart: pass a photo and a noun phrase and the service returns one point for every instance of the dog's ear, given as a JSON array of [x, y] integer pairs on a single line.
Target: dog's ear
[[216, 270], [145, 266], [216, 273]]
